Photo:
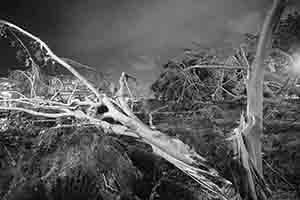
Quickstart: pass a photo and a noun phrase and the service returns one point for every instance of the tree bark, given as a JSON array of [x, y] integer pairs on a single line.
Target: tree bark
[[255, 85]]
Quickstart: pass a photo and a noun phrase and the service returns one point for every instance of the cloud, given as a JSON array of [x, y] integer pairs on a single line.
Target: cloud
[[143, 63], [250, 23], [102, 32], [159, 27]]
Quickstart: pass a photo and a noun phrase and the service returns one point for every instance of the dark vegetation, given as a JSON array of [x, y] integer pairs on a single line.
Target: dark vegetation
[[74, 157], [67, 158]]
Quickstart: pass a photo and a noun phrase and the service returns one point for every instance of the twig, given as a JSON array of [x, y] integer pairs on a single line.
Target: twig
[[10, 156], [213, 67], [234, 96], [16, 92], [23, 45], [276, 172], [71, 95], [107, 185]]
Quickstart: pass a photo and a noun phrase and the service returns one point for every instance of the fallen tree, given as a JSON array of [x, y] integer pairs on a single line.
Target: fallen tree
[[114, 115]]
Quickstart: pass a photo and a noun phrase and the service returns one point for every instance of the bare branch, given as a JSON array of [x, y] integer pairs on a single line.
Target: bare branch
[[214, 67], [53, 56], [73, 62]]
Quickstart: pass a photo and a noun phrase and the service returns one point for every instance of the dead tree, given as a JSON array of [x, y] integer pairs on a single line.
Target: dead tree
[[247, 137], [255, 85], [101, 107]]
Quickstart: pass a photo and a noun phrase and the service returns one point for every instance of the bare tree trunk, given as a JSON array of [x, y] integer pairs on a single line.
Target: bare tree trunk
[[255, 85]]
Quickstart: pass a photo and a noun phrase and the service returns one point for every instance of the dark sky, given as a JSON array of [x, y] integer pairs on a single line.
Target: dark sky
[[131, 35]]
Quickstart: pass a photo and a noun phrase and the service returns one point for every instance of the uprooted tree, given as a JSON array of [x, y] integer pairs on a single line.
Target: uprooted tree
[[113, 115], [99, 108]]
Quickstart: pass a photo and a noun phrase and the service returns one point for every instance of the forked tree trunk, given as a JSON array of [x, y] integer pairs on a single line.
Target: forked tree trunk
[[255, 85]]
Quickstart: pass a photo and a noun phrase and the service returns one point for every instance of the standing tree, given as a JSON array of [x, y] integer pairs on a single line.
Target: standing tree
[[248, 136], [255, 85]]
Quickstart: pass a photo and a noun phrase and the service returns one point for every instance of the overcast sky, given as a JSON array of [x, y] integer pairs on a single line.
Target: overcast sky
[[132, 35]]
